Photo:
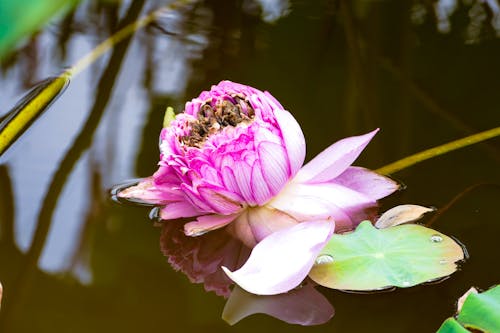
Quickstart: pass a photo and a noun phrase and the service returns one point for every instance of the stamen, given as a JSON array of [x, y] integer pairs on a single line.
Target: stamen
[[212, 120]]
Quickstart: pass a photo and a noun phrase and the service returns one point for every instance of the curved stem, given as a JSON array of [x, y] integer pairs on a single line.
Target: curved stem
[[454, 200], [437, 151]]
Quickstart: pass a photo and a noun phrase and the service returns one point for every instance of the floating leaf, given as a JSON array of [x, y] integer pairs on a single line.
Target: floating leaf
[[400, 215], [29, 108], [481, 311], [462, 298], [371, 259], [452, 326], [478, 312]]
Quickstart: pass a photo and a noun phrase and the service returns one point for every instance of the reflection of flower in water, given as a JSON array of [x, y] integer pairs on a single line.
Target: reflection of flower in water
[[201, 258], [234, 158], [303, 306]]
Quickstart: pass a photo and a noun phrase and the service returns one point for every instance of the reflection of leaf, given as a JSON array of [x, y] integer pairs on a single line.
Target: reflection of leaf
[[479, 312], [369, 258], [29, 108], [303, 306], [18, 19]]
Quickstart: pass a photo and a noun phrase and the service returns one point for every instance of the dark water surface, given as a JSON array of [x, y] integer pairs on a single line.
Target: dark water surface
[[71, 260]]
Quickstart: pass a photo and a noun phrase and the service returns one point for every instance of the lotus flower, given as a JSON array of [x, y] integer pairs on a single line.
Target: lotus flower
[[234, 158]]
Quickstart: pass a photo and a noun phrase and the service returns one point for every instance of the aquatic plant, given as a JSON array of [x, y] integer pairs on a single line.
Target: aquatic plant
[[477, 312], [234, 159], [29, 108]]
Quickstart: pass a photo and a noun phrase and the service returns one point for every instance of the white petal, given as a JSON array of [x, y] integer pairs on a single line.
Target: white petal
[[334, 160], [400, 215], [282, 260], [293, 138]]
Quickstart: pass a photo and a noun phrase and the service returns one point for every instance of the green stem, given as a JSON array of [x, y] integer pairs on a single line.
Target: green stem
[[437, 151]]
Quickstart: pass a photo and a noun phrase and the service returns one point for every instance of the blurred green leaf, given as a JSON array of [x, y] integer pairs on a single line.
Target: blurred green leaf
[[19, 19], [371, 258]]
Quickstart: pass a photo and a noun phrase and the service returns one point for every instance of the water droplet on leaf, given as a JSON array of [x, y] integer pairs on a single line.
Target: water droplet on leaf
[[324, 259], [436, 238]]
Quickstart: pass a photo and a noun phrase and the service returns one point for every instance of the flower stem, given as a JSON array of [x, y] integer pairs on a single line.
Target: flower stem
[[437, 151]]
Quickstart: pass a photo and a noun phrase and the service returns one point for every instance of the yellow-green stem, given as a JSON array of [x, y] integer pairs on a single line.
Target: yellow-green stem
[[437, 151]]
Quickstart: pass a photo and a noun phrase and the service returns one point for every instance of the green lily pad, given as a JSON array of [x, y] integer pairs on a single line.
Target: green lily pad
[[371, 258]]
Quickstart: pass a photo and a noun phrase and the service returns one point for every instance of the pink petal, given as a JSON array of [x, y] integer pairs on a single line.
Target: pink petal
[[229, 179], [265, 221], [303, 306], [146, 192], [273, 160], [241, 229], [302, 203], [195, 198], [206, 223], [334, 160], [243, 176], [261, 192], [341, 196], [293, 138], [367, 182], [282, 260], [222, 202], [165, 175], [177, 210], [257, 223]]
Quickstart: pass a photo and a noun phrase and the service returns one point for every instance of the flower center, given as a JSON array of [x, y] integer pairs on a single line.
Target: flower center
[[211, 120]]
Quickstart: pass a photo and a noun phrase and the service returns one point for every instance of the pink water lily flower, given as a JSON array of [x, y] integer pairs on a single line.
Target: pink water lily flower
[[234, 158]]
